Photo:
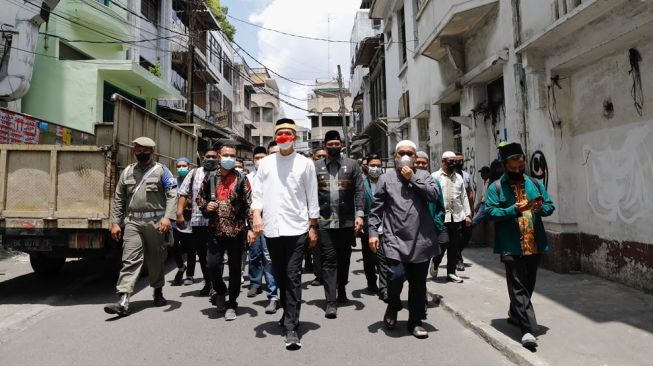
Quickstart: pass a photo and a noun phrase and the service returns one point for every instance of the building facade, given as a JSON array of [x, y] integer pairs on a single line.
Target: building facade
[[265, 106], [324, 111], [566, 79]]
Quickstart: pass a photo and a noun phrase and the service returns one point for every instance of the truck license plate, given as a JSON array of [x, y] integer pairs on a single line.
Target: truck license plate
[[30, 244]]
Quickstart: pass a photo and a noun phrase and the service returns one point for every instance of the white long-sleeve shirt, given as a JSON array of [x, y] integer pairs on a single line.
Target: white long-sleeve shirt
[[456, 203], [285, 189]]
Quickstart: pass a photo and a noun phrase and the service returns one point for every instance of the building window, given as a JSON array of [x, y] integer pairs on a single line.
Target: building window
[[215, 53], [227, 71], [268, 114], [377, 91], [178, 82], [401, 23], [150, 10], [215, 99], [457, 137], [227, 107], [376, 24], [256, 113], [108, 104], [67, 52]]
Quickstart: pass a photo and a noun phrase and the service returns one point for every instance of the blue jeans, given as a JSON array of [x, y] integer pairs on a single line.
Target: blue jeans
[[480, 215], [259, 264]]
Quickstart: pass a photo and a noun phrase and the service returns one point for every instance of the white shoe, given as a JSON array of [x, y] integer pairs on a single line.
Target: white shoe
[[453, 278]]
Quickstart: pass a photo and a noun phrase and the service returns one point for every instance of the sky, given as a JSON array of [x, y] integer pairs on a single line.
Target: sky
[[300, 60]]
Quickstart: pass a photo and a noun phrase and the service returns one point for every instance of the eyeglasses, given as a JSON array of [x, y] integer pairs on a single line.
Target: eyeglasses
[[405, 153]]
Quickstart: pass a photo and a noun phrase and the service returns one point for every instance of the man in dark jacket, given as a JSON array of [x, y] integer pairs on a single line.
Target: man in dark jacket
[[517, 203], [341, 198], [400, 207]]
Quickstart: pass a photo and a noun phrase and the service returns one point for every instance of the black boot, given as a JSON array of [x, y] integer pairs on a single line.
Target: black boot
[[120, 308], [159, 300]]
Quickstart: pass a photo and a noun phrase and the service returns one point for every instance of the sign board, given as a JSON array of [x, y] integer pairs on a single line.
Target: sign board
[[18, 129]]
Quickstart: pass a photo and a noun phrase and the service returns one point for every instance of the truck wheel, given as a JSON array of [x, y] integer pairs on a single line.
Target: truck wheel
[[44, 264]]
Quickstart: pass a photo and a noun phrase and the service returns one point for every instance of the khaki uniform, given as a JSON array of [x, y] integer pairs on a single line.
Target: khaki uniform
[[156, 198]]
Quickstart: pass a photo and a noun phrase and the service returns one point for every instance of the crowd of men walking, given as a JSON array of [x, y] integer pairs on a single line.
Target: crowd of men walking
[[293, 210]]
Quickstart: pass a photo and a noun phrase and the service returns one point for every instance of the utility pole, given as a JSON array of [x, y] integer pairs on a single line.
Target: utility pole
[[189, 67], [341, 94]]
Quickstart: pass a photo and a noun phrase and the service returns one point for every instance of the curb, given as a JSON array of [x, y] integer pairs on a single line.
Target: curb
[[504, 344]]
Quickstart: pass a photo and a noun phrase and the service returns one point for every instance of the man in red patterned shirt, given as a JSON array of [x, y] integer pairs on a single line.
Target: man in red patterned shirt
[[225, 199]]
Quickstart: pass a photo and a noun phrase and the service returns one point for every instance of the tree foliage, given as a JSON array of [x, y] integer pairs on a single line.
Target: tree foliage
[[220, 13]]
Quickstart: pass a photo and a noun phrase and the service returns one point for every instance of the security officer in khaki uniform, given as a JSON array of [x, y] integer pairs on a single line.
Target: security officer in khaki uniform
[[145, 202]]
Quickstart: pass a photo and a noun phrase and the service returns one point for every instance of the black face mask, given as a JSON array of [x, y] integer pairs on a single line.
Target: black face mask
[[211, 164], [452, 166], [515, 175], [143, 158], [334, 152]]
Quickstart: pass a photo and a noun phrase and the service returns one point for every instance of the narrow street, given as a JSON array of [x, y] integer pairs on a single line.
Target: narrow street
[[60, 321]]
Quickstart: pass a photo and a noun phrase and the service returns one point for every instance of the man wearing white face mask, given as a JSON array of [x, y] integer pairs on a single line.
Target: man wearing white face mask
[[372, 261], [225, 199], [400, 204], [457, 213]]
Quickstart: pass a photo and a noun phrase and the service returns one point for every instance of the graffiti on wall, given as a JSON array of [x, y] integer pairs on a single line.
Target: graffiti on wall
[[470, 165], [539, 168], [619, 177]]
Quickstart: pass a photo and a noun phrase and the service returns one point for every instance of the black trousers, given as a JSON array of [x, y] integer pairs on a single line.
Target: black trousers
[[369, 260], [287, 254], [382, 265], [316, 261], [415, 274], [234, 248], [521, 274], [335, 250], [465, 237], [196, 247], [181, 240], [450, 244]]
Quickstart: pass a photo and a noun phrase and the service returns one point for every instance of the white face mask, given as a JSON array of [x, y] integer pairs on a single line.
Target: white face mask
[[405, 161], [285, 145], [375, 171], [257, 163]]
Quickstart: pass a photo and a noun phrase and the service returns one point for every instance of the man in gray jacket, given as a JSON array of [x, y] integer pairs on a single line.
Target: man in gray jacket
[[400, 206]]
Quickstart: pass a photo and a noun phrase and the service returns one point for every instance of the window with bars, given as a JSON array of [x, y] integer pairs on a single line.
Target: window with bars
[[215, 53], [401, 23], [227, 107], [215, 99], [150, 10], [227, 71]]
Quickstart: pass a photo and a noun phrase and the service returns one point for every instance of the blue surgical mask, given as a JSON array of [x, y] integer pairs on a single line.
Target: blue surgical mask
[[227, 162]]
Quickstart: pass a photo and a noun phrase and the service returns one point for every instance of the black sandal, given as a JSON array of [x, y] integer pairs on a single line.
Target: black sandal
[[390, 319]]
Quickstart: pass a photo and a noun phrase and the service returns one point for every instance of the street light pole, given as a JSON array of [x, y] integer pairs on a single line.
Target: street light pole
[[343, 111]]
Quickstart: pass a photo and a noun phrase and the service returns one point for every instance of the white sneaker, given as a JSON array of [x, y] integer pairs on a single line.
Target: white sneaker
[[453, 278]]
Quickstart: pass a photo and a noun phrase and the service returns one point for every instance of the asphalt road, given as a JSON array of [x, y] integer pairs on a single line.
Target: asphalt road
[[60, 321]]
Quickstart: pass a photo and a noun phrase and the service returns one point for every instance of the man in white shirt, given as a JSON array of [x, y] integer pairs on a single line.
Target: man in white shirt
[[466, 233], [188, 194], [285, 209], [457, 214]]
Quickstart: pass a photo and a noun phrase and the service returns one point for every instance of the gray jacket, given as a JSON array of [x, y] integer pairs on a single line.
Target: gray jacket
[[401, 207]]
